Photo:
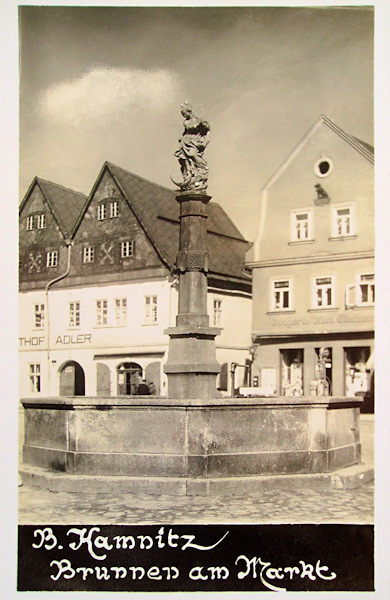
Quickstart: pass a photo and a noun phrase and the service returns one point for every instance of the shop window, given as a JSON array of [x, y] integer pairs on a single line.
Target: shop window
[[323, 292], [357, 377], [74, 314], [120, 311], [39, 316], [88, 254], [52, 258], [361, 293], [101, 313], [35, 377], [127, 249], [323, 371], [292, 372], [281, 295], [150, 310], [41, 221], [30, 222], [217, 313], [343, 221], [301, 226]]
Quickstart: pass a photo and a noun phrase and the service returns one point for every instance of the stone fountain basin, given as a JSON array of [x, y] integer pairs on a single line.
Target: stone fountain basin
[[190, 438]]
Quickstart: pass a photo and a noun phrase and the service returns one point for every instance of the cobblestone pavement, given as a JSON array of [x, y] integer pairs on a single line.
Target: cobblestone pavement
[[272, 506]]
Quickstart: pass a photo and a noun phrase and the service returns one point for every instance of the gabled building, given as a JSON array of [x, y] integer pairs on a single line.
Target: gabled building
[[313, 269], [103, 312]]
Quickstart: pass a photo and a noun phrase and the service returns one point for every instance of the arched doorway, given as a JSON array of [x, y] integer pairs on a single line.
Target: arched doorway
[[72, 379], [129, 375]]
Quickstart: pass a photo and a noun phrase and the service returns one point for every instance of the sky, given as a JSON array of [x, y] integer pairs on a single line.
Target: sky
[[106, 83]]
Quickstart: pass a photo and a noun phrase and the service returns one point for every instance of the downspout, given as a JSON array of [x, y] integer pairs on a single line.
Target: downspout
[[69, 244]]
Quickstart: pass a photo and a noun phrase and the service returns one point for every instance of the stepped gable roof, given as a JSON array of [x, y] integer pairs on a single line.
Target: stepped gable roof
[[65, 204], [158, 212]]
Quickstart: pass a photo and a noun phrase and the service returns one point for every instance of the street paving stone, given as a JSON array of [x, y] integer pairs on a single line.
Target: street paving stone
[[308, 505]]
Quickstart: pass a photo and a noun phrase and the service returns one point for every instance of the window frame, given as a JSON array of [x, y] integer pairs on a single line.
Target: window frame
[[151, 309], [293, 225], [114, 209], [352, 221], [39, 316], [41, 221], [129, 244], [30, 225], [101, 312], [325, 286], [120, 307], [74, 314], [273, 304], [217, 312], [51, 259], [35, 378], [101, 211], [88, 254]]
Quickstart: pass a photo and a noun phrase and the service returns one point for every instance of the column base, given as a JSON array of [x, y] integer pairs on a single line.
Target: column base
[[192, 366]]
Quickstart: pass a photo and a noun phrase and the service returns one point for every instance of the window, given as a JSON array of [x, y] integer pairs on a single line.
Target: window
[[120, 311], [39, 316], [35, 377], [52, 258], [74, 314], [127, 249], [150, 310], [323, 167], [367, 288], [323, 292], [301, 226], [217, 313], [114, 209], [281, 295], [101, 212], [30, 223], [88, 254], [101, 312], [41, 221], [361, 293], [343, 221]]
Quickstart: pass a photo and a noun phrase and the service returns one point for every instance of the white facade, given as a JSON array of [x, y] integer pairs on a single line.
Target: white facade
[[115, 324]]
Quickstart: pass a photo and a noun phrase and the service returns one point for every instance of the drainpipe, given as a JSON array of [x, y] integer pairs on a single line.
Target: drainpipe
[[69, 244]]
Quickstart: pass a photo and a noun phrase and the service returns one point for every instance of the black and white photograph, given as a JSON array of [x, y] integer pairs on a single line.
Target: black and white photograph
[[196, 311]]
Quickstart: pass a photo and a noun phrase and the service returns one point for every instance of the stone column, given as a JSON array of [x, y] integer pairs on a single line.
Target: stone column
[[192, 366]]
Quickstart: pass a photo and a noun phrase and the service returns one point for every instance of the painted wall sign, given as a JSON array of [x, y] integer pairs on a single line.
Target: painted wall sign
[[31, 341], [79, 338]]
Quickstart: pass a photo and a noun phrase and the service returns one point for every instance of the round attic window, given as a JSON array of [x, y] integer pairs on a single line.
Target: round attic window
[[323, 167]]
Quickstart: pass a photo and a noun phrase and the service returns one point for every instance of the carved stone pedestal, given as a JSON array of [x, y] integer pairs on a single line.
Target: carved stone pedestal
[[192, 365]]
